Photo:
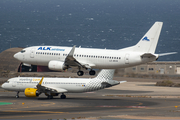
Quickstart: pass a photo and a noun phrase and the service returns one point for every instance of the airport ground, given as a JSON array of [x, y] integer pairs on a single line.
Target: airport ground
[[138, 98]]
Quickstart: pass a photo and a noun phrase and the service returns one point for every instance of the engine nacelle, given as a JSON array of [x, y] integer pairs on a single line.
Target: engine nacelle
[[56, 65], [31, 92]]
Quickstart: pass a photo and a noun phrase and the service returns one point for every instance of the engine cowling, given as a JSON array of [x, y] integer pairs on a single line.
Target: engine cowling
[[56, 65], [31, 92]]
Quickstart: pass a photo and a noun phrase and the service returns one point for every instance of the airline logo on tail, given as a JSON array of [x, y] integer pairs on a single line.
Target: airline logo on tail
[[145, 39]]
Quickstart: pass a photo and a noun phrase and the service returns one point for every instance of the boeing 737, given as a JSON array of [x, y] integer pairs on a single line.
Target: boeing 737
[[34, 86], [60, 58]]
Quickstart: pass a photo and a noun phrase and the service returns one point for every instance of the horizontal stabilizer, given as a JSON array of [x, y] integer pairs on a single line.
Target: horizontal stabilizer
[[148, 55], [163, 54], [122, 82]]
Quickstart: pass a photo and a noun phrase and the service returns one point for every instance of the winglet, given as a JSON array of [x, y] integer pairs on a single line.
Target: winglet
[[72, 51], [40, 82]]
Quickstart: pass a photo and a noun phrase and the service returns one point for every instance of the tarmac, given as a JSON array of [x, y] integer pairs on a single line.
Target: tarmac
[[130, 100]]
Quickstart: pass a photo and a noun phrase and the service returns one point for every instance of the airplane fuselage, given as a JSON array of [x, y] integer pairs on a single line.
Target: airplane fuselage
[[97, 58], [71, 85]]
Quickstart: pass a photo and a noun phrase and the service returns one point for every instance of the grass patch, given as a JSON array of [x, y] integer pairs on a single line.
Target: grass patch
[[167, 83]]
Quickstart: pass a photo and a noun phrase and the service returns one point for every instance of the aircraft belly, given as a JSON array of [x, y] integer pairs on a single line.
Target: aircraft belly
[[108, 65], [75, 89]]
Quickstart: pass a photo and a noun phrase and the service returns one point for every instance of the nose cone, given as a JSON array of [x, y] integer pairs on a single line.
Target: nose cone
[[16, 56], [3, 86]]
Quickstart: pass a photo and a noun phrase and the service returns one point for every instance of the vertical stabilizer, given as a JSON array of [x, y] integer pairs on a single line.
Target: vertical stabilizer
[[106, 74], [149, 41]]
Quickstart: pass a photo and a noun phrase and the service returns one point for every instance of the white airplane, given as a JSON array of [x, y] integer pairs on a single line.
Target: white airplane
[[60, 58], [34, 86]]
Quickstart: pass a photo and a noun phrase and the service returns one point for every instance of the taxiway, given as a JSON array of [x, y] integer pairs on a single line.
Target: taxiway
[[130, 100]]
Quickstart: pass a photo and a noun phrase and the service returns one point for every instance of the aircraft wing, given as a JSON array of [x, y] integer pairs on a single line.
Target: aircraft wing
[[46, 89], [71, 61]]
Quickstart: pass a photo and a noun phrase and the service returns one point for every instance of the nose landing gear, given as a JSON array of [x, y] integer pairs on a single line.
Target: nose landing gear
[[63, 96], [17, 95]]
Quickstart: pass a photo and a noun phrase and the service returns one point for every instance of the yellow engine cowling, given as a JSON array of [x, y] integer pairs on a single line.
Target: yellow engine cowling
[[31, 92]]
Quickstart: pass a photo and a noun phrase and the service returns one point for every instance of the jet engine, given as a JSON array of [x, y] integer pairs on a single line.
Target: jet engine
[[31, 92], [56, 65]]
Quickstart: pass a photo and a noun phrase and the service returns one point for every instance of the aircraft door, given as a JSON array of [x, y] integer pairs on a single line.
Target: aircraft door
[[32, 53], [127, 58]]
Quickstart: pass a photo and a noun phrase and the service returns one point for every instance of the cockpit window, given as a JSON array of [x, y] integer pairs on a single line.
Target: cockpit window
[[7, 82], [22, 51]]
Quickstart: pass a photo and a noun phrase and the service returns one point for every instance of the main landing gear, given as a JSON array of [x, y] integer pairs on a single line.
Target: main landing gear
[[63, 96], [50, 97], [81, 73], [17, 95], [92, 72]]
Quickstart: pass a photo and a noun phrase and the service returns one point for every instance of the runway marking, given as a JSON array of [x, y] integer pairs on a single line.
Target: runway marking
[[33, 111], [136, 106], [108, 106], [5, 103], [89, 92], [141, 96]]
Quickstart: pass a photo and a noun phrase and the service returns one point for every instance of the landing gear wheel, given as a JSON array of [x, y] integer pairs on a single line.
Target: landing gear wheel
[[63, 96], [50, 97], [17, 96], [92, 72], [80, 73]]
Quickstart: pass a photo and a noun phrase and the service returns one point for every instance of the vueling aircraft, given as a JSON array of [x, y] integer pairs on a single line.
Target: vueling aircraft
[[34, 86], [60, 58]]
